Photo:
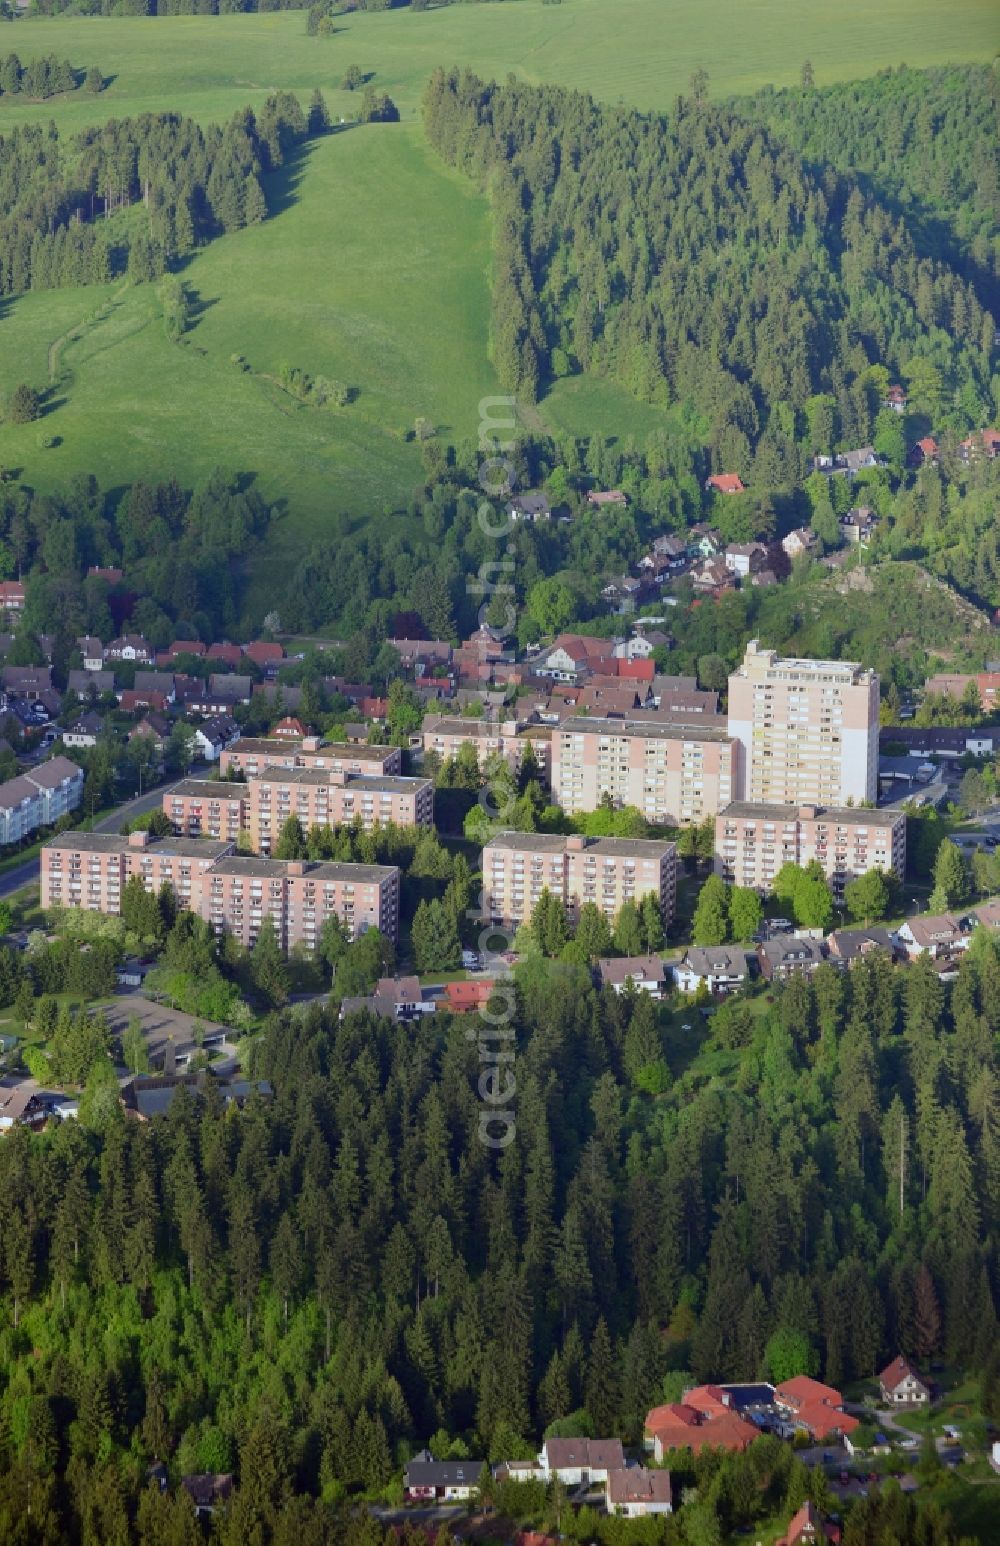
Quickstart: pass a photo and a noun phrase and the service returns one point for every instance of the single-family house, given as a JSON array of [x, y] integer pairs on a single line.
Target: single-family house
[[895, 399], [207, 1491], [86, 684], [783, 958], [643, 974], [132, 700], [530, 507], [26, 682], [106, 572], [212, 738], [900, 1384], [11, 596], [845, 947], [600, 498], [265, 654], [636, 1492], [162, 682], [704, 541], [455, 1480], [926, 451], [580, 1462], [725, 483], [91, 652], [622, 594], [130, 646], [156, 727], [855, 461], [83, 731], [934, 934], [571, 656], [401, 998], [745, 558], [719, 968], [228, 655], [801, 540], [807, 1527], [712, 574], [858, 525], [468, 997]]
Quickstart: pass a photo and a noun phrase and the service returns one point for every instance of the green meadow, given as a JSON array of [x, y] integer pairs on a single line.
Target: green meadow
[[373, 268]]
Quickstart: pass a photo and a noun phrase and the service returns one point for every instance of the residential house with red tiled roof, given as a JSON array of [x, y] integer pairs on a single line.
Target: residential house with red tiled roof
[[807, 1526], [725, 483], [901, 1384], [926, 450]]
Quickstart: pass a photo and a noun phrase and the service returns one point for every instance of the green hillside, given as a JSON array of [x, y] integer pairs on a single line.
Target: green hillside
[[642, 51], [372, 271], [374, 268]]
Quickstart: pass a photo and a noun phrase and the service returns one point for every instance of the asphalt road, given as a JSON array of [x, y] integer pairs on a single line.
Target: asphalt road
[[27, 873]]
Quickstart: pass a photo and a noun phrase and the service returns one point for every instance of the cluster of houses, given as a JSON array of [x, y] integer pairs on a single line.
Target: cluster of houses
[[708, 1417], [983, 445]]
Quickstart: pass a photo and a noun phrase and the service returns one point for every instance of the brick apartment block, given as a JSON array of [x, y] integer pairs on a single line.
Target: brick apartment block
[[238, 893], [673, 774], [252, 754], [808, 729], [324, 798], [518, 866], [90, 870], [752, 842], [446, 734]]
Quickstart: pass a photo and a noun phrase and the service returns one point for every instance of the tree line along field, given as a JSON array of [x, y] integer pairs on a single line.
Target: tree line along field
[[373, 268]]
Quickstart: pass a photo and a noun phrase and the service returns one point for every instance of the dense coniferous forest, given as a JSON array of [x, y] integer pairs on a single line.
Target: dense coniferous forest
[[183, 550], [921, 141], [331, 1277], [58, 195], [696, 258]]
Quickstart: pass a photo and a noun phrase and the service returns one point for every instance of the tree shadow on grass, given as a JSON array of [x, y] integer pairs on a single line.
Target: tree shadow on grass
[[281, 187]]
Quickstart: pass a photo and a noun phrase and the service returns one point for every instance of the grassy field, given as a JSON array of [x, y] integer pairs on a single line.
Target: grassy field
[[402, 319], [640, 51], [374, 267]]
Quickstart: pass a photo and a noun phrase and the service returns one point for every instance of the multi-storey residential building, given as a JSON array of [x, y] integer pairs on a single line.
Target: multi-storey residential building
[[91, 869], [673, 774], [252, 754], [752, 842], [518, 866], [446, 735], [238, 893], [323, 798], [209, 807], [38, 798], [808, 729]]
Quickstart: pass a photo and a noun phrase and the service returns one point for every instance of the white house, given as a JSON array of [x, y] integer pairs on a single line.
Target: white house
[[646, 974], [635, 1493], [901, 1385], [580, 1462], [719, 968]]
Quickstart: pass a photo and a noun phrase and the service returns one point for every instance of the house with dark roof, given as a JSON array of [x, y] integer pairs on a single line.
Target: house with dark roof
[[641, 974], [580, 1462], [455, 1480], [636, 1493], [531, 507], [783, 958], [719, 968]]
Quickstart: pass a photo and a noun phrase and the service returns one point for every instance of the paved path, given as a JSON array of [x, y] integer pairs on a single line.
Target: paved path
[[27, 873]]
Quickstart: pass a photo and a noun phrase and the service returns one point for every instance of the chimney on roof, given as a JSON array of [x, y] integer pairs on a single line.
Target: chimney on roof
[[138, 840], [311, 743]]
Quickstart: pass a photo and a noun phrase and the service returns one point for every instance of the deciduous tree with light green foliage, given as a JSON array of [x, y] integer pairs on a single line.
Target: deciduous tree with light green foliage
[[951, 879], [745, 913], [867, 896], [710, 924]]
